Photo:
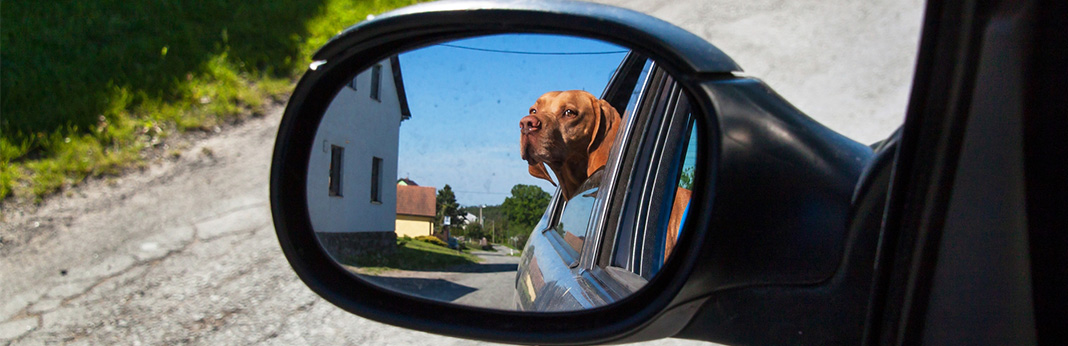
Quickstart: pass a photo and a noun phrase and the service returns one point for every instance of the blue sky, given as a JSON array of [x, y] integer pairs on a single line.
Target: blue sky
[[467, 96]]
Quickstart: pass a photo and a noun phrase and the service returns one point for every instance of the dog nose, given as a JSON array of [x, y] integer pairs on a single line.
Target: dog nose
[[529, 124]]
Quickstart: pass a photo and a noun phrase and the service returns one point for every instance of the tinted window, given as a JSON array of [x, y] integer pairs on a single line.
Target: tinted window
[[667, 237], [576, 218], [626, 237], [659, 193]]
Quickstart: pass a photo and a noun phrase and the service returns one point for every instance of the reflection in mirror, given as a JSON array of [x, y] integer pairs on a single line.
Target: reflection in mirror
[[459, 172]]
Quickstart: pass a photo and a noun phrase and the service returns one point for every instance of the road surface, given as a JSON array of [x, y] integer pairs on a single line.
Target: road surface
[[184, 252], [488, 284]]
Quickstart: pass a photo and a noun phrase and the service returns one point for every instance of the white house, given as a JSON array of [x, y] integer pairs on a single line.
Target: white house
[[352, 194]]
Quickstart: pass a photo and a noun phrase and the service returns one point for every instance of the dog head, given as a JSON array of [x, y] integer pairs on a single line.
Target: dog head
[[571, 132]]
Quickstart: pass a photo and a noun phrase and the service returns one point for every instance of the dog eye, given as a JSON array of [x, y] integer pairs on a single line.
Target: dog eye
[[568, 112], [533, 111]]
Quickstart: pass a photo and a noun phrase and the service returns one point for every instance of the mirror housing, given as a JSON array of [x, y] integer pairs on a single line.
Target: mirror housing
[[782, 232]]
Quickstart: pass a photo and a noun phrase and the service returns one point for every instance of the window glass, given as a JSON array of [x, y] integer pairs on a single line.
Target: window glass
[[627, 237], [376, 179], [336, 154], [679, 208], [637, 90], [376, 81], [646, 241], [575, 219]]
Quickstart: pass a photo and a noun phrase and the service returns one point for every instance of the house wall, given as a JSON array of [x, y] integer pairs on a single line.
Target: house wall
[[414, 226], [365, 128]]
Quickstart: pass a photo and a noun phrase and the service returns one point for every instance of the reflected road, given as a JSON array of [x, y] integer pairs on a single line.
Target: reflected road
[[488, 284]]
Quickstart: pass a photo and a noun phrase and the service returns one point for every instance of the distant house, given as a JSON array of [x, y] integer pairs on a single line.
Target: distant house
[[406, 182], [415, 210], [470, 219], [351, 197]]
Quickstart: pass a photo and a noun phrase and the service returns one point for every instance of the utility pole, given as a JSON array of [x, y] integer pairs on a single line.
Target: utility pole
[[480, 224]]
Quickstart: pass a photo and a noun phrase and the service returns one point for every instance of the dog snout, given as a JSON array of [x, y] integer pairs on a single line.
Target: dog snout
[[529, 124]]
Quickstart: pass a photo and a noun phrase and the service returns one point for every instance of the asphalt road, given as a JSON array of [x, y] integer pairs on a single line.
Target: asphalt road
[[488, 284], [185, 253]]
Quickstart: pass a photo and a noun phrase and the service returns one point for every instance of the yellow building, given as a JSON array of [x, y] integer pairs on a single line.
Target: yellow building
[[415, 210]]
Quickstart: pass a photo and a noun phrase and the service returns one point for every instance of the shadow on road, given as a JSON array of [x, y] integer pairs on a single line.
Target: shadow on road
[[484, 268], [437, 289]]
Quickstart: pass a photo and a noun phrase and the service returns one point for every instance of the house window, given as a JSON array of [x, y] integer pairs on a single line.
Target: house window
[[376, 180], [376, 81], [336, 153]]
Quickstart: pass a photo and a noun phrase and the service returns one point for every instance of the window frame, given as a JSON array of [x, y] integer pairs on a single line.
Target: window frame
[[634, 163], [336, 173], [376, 179], [353, 83], [376, 82], [618, 92], [653, 154]]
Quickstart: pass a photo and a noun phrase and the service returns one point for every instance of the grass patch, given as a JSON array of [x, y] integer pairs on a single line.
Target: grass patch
[[88, 86], [412, 255]]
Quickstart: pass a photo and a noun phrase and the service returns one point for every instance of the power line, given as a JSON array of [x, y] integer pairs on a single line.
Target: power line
[[486, 193], [531, 53]]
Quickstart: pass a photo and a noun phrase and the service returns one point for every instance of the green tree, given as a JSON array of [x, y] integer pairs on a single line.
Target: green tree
[[525, 206], [446, 206], [686, 180], [473, 231]]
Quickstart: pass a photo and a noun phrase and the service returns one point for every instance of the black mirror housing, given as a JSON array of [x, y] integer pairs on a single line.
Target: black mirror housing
[[776, 220]]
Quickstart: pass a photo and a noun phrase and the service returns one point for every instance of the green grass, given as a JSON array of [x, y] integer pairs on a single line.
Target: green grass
[[86, 87], [412, 255]]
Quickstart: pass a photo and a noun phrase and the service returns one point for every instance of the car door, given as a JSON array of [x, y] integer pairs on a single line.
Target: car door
[[973, 244], [581, 255]]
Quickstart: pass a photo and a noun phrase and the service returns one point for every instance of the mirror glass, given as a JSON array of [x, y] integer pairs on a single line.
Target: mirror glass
[[485, 171]]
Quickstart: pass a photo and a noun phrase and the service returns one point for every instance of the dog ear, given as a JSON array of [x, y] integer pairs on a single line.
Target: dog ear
[[605, 123], [538, 171]]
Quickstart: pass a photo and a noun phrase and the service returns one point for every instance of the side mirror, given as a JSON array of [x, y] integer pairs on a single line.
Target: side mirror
[[680, 191]]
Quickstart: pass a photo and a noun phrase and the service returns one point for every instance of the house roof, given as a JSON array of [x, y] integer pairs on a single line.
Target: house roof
[[416, 200], [398, 82], [406, 181]]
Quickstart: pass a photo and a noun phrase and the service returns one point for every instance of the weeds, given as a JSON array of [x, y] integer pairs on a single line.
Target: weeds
[[87, 87], [412, 255]]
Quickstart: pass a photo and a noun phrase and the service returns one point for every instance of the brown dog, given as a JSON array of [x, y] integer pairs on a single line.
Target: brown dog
[[678, 209], [571, 132]]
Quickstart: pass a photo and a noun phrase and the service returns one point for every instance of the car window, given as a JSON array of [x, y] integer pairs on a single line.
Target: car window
[[637, 89], [667, 237], [572, 221], [632, 104], [659, 190], [575, 218]]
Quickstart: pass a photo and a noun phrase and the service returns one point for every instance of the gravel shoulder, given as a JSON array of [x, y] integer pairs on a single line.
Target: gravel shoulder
[[181, 253]]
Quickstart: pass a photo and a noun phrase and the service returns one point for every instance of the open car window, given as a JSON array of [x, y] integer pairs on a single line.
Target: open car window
[[573, 220]]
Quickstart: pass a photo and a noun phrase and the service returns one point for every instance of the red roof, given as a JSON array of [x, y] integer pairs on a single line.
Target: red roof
[[416, 200]]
